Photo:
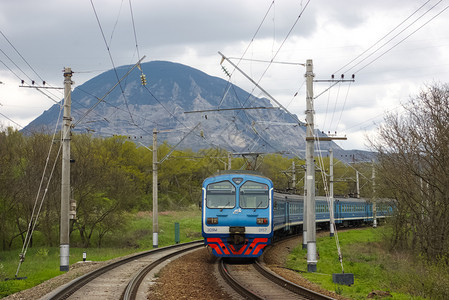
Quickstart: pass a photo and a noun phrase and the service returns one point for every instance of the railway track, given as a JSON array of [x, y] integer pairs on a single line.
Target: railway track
[[121, 279], [253, 281]]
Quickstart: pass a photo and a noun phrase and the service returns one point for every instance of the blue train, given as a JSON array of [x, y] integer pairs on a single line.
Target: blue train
[[241, 213]]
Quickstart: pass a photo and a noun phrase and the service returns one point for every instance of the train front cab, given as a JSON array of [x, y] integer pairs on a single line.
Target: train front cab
[[237, 214]]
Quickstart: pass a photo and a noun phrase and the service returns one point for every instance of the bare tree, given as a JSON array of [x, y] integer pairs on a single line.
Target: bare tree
[[413, 152]]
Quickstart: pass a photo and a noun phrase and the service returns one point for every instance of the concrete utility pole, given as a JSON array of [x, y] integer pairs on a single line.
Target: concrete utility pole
[[374, 197], [304, 214], [155, 212], [357, 183], [65, 181], [310, 180], [293, 177], [331, 196]]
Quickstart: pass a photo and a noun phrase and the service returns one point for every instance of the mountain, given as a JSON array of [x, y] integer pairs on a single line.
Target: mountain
[[175, 99]]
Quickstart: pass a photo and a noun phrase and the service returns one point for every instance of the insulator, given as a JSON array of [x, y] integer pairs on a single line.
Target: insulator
[[23, 81], [353, 76], [32, 82], [143, 78], [342, 76], [43, 82], [225, 71], [332, 76]]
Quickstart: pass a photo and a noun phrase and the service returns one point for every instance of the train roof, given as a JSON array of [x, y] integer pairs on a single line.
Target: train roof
[[239, 172], [244, 172], [336, 199]]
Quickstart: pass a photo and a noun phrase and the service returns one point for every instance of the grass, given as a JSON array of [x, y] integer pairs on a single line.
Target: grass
[[42, 263], [365, 254]]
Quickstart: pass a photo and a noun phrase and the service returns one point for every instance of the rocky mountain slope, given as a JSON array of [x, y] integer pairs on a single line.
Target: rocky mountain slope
[[178, 100]]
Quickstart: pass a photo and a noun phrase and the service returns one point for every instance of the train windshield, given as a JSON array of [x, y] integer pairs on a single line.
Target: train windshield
[[220, 195], [253, 195]]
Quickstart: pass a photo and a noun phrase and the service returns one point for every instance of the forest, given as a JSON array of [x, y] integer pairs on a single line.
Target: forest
[[113, 176]]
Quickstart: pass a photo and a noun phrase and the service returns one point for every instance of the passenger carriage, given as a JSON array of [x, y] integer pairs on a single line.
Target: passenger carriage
[[241, 214]]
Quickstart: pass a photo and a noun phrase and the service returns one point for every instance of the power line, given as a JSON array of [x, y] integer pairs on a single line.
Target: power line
[[21, 56], [395, 45], [389, 41], [378, 41], [6, 117]]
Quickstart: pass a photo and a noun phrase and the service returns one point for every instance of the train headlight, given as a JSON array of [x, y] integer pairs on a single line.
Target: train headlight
[[212, 221], [262, 221]]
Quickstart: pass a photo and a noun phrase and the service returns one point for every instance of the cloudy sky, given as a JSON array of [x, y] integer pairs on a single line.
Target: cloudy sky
[[394, 48]]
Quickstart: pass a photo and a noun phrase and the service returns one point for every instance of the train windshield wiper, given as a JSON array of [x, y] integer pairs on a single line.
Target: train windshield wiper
[[260, 203], [223, 207]]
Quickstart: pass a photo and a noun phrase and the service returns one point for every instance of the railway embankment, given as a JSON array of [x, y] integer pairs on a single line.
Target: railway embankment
[[379, 271], [366, 253]]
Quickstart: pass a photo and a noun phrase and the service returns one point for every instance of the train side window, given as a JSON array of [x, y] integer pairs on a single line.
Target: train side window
[[253, 195], [220, 195]]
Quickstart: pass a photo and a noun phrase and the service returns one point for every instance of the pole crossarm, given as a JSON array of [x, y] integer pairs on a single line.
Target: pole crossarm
[[41, 87], [326, 138], [334, 80], [335, 83], [227, 109]]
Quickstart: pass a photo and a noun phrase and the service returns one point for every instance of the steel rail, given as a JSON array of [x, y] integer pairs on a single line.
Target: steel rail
[[65, 291], [236, 286], [134, 284], [297, 289]]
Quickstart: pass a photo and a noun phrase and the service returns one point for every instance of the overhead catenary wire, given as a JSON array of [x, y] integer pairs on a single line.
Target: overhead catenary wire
[[272, 60], [242, 57], [111, 105], [246, 50], [134, 27], [256, 83], [112, 61], [278, 51], [108, 92], [35, 215]]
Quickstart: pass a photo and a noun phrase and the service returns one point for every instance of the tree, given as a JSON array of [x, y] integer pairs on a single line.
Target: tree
[[106, 182], [11, 157], [413, 152]]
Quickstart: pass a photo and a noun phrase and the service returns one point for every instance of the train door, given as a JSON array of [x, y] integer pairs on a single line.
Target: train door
[[287, 216], [337, 212]]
